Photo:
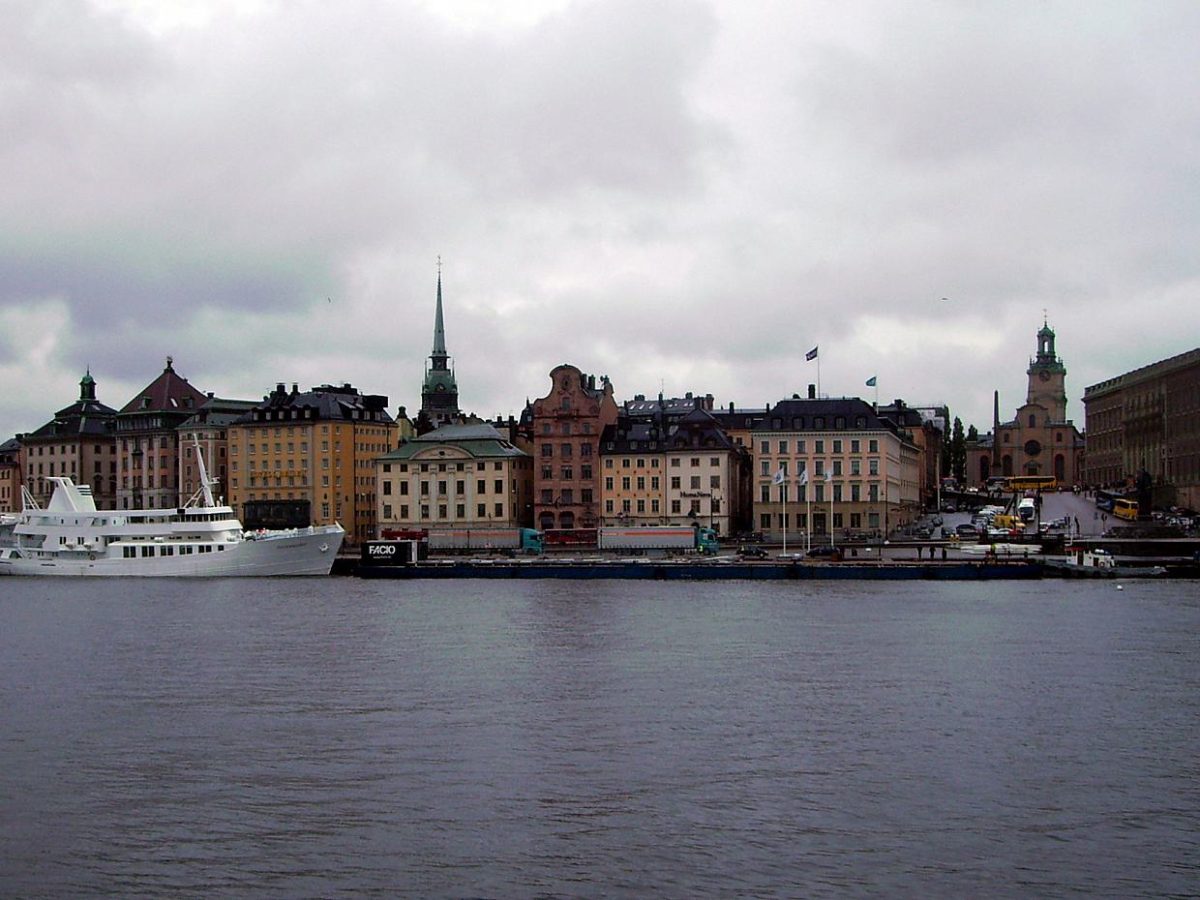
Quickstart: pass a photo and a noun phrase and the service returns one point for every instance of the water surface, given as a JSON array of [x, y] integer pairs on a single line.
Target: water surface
[[310, 737]]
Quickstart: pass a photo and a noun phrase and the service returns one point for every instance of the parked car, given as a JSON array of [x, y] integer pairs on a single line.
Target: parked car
[[830, 552], [966, 530], [752, 552]]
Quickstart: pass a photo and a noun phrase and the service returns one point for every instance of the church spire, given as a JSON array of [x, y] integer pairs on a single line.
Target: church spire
[[439, 393], [439, 327]]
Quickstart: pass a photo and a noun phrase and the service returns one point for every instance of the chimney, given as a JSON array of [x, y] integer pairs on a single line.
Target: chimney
[[812, 392]]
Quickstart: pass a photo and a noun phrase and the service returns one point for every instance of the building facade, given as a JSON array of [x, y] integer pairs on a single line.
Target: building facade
[[566, 425], [1040, 440], [148, 441], [208, 429], [1148, 420], [834, 459], [458, 476], [79, 442], [669, 462], [10, 476], [313, 450]]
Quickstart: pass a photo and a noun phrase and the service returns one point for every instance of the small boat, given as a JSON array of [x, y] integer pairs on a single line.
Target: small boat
[[1088, 563], [200, 539]]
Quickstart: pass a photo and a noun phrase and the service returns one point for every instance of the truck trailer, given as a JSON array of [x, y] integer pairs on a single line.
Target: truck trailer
[[525, 540], [662, 537]]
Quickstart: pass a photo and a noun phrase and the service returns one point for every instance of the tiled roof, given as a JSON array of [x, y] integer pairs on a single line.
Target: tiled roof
[[167, 393]]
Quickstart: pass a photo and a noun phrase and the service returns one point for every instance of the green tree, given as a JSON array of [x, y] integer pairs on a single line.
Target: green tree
[[958, 452]]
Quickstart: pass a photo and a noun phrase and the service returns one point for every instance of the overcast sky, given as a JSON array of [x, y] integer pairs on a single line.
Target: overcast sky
[[680, 195]]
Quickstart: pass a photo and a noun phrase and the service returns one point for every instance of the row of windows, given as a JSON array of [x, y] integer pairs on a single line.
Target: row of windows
[[460, 487], [566, 428], [443, 510], [566, 451], [567, 473], [566, 496], [638, 482], [497, 466], [168, 550], [801, 444], [819, 495], [769, 469], [64, 449], [675, 462], [800, 521], [629, 506]]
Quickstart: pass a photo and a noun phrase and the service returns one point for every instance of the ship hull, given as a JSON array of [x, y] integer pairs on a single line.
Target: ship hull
[[309, 552]]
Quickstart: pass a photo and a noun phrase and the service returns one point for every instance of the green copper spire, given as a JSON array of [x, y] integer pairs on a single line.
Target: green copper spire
[[439, 328], [439, 393]]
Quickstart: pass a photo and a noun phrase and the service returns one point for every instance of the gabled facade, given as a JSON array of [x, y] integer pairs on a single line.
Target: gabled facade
[[566, 425], [148, 441], [312, 450], [458, 476], [78, 442]]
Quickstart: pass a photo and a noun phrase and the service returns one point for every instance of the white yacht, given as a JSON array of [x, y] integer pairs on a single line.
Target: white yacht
[[202, 538]]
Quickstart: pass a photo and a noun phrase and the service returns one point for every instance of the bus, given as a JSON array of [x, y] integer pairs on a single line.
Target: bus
[[1105, 500], [1031, 483], [1125, 509]]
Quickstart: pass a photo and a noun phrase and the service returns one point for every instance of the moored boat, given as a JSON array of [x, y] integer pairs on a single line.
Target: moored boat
[[1095, 563], [71, 537]]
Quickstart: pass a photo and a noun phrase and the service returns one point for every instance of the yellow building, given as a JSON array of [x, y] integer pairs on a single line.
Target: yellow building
[[311, 454], [668, 462], [457, 476]]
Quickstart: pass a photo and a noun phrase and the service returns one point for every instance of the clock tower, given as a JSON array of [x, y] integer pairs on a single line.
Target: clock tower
[[1047, 378]]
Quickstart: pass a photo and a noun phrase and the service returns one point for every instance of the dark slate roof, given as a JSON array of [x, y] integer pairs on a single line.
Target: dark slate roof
[[86, 417], [696, 429], [324, 402], [167, 393], [219, 412], [823, 414]]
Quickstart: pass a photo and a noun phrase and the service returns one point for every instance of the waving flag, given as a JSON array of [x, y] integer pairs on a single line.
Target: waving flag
[[779, 476], [804, 478], [871, 381], [811, 354]]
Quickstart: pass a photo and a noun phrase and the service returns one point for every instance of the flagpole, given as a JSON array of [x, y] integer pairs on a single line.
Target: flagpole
[[818, 376], [783, 489]]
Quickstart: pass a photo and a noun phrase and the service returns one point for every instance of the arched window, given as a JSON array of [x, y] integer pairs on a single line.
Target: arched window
[[1032, 421]]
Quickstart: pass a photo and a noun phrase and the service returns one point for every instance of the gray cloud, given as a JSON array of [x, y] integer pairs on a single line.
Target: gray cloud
[[680, 194]]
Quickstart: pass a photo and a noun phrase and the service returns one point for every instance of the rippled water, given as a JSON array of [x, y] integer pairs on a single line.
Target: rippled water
[[314, 737]]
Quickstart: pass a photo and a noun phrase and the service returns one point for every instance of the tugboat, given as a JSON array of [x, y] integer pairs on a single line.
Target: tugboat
[[1082, 562]]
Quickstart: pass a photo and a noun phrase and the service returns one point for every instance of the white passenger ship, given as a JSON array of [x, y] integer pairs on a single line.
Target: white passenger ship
[[71, 537]]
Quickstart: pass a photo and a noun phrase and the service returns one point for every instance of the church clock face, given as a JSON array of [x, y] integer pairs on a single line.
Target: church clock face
[[1044, 375]]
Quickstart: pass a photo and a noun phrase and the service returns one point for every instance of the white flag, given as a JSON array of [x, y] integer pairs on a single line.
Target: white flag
[[779, 476], [804, 478], [829, 475]]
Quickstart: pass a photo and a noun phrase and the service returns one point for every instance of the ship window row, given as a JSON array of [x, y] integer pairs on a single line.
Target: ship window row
[[151, 550]]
